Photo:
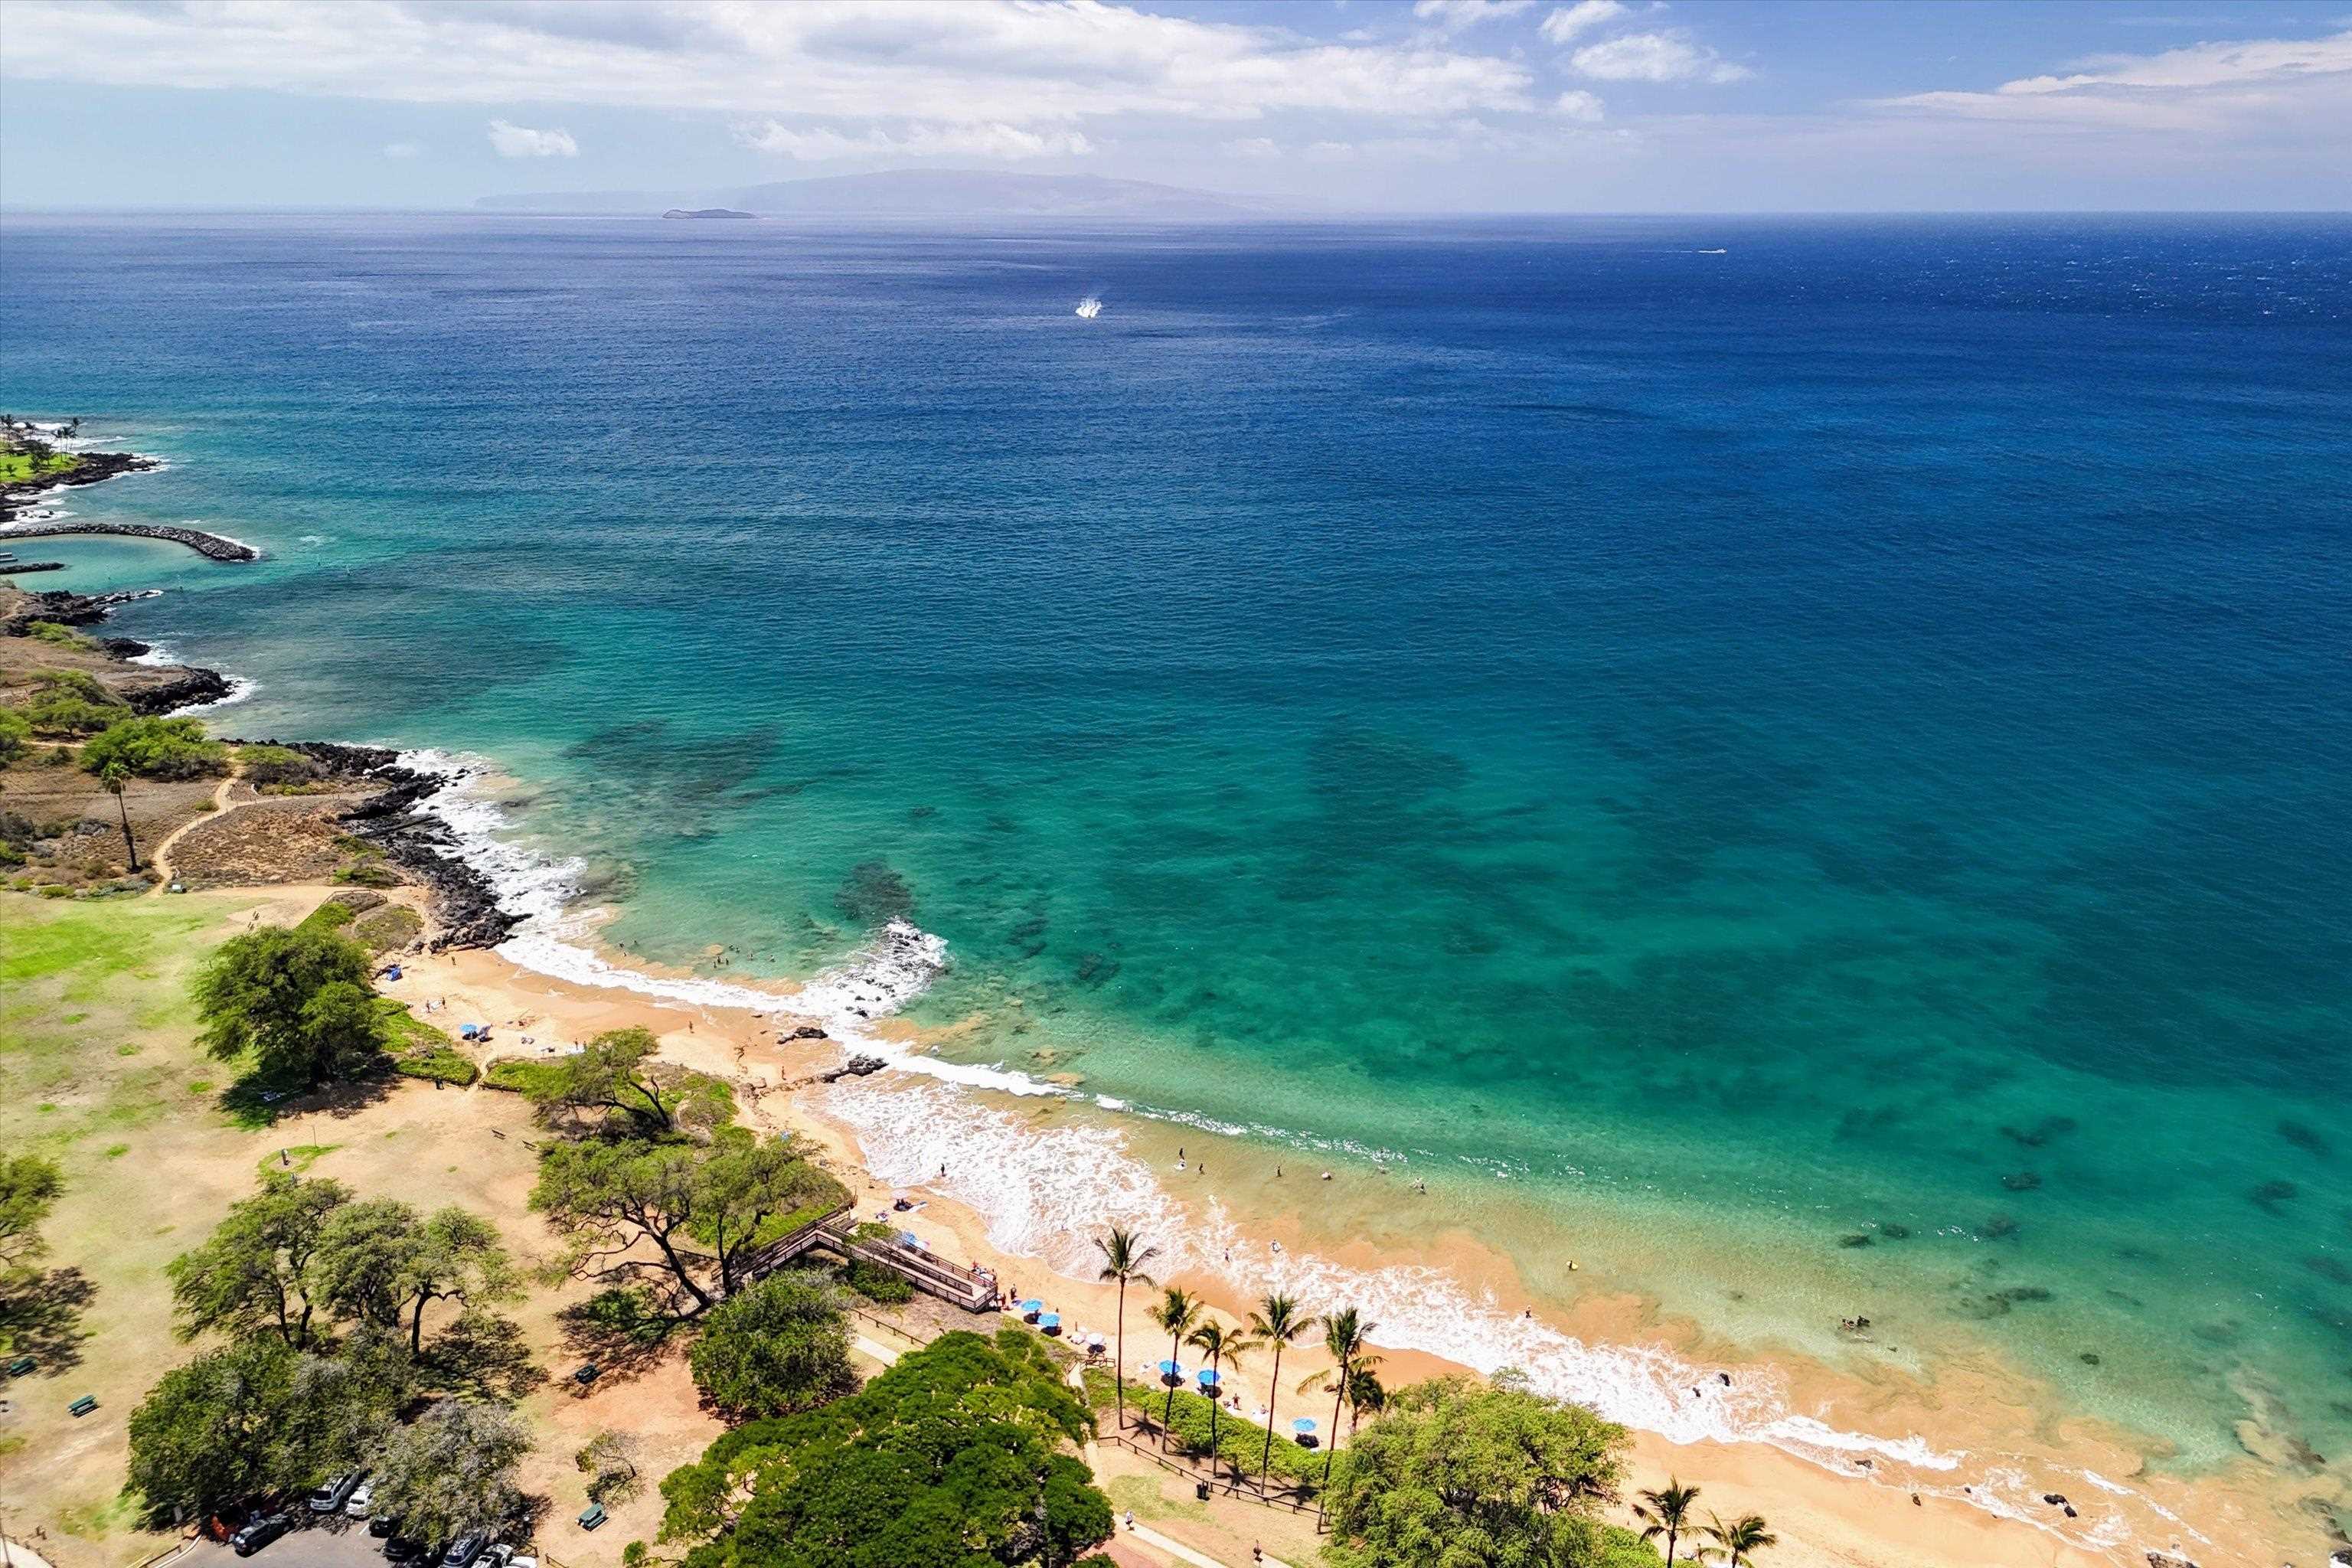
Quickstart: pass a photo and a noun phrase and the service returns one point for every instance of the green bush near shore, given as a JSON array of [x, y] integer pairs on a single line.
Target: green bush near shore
[[16, 731], [877, 1284], [518, 1075], [157, 748], [419, 1050], [277, 770], [61, 635]]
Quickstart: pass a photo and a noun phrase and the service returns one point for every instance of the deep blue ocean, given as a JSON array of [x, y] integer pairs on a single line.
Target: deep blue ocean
[[1778, 731]]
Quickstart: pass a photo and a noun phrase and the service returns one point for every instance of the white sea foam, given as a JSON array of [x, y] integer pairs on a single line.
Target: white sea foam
[[1043, 1191], [240, 687], [1090, 308], [896, 967]]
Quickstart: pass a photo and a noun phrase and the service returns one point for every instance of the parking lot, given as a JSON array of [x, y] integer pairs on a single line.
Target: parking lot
[[307, 1545]]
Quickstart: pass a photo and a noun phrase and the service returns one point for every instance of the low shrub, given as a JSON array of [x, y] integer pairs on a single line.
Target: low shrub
[[877, 1283], [157, 748], [16, 731], [274, 769], [61, 635], [517, 1075], [62, 713]]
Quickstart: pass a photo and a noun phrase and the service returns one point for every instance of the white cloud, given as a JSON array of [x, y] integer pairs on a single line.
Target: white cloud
[[2209, 89], [514, 141], [404, 150], [820, 144], [1570, 21], [1579, 106], [1452, 15], [1251, 147], [1011, 62], [1654, 57], [2204, 65]]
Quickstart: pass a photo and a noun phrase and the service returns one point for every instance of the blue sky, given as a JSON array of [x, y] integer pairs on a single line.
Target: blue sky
[[1415, 105]]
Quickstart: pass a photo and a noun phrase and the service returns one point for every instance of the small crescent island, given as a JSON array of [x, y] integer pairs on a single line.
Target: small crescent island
[[708, 212]]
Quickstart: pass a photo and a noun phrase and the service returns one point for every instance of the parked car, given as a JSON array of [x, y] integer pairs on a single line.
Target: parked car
[[405, 1548], [505, 1556], [464, 1549], [335, 1491], [363, 1499], [260, 1533], [384, 1525]]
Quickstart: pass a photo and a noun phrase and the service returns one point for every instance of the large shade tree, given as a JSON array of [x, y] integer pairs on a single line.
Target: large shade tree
[[452, 1470], [299, 1001], [1473, 1477], [259, 1416], [253, 1272], [954, 1458], [781, 1346]]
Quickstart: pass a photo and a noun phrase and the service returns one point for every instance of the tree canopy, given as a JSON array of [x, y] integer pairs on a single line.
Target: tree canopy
[[618, 1073], [29, 1188], [157, 748], [452, 1470], [259, 1416], [952, 1458], [254, 1271], [781, 1346], [620, 1199], [1460, 1476], [299, 1000]]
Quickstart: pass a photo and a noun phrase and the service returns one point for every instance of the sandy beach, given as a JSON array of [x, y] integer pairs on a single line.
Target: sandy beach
[[1875, 1515]]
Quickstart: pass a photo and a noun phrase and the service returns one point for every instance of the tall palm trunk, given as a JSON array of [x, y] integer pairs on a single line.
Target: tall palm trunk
[[1331, 1437], [1273, 1398], [1215, 1404], [1118, 1372], [129, 844], [1167, 1409]]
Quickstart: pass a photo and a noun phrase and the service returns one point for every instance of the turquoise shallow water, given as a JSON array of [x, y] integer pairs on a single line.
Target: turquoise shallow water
[[1840, 737]]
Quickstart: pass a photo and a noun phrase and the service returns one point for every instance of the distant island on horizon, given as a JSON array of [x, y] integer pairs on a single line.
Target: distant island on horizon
[[907, 194]]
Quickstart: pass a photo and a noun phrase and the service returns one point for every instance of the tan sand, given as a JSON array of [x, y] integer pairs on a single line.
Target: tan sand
[[1866, 1519]]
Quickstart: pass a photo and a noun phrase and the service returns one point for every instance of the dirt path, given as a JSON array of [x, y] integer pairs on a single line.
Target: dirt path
[[159, 859]]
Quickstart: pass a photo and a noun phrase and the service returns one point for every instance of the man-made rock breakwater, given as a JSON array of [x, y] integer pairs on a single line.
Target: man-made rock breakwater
[[212, 546]]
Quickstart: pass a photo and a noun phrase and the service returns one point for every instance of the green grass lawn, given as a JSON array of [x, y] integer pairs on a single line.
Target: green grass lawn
[[15, 466]]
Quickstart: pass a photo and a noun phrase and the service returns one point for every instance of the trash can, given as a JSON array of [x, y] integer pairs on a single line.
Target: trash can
[[1201, 1491]]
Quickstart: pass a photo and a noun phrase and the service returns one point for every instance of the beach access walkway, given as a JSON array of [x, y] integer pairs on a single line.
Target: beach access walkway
[[972, 1288]]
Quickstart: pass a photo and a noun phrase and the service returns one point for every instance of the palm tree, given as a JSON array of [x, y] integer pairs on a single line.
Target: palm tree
[[1277, 1323], [1665, 1512], [1123, 1260], [1738, 1540], [112, 778], [1366, 1394], [1224, 1348], [1343, 1339], [1177, 1310]]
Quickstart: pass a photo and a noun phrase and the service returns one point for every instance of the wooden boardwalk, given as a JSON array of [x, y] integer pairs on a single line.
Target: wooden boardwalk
[[927, 1271]]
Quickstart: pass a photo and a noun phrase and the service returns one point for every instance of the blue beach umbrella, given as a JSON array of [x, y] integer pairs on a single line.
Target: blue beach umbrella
[[1171, 1371], [1302, 1432], [1031, 1308], [1208, 1378], [1051, 1322]]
